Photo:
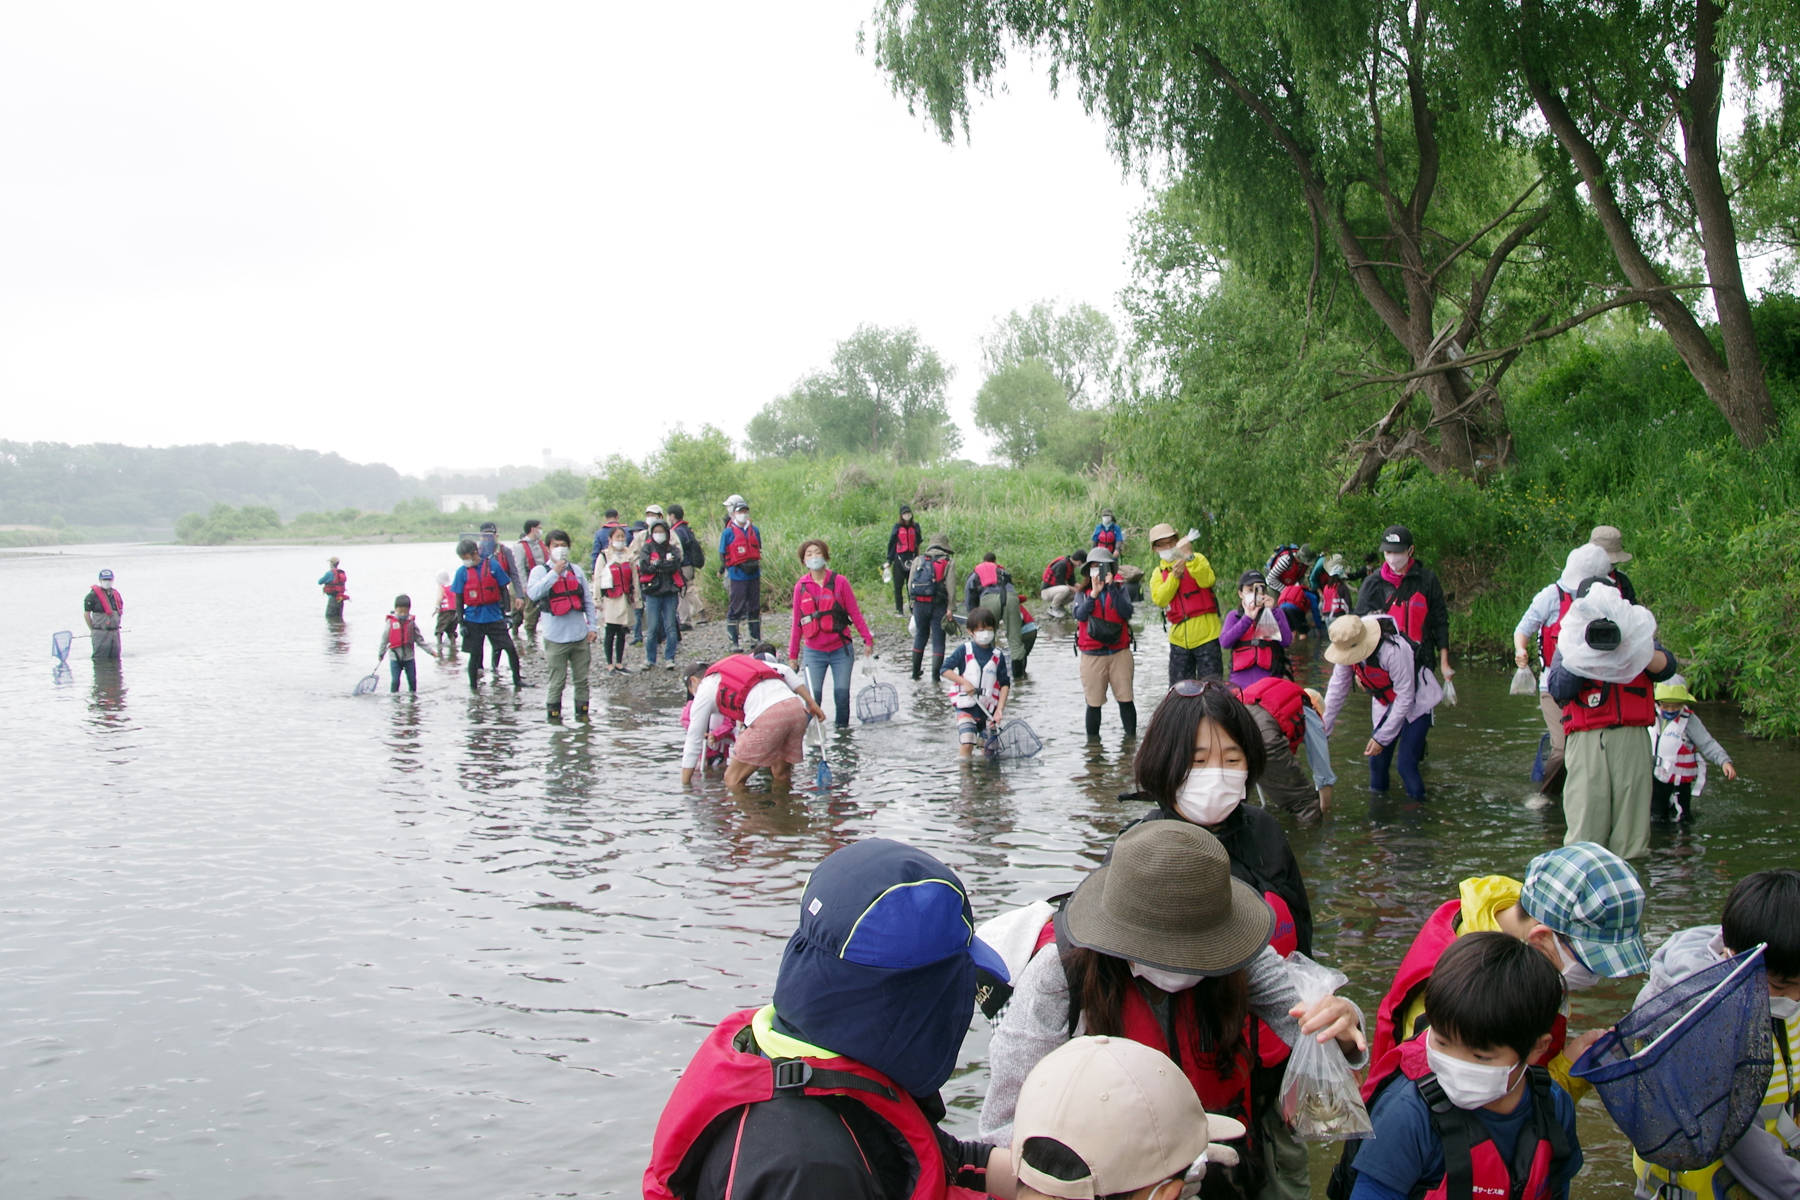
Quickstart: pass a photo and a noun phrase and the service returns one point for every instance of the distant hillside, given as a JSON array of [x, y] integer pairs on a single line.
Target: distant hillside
[[49, 483]]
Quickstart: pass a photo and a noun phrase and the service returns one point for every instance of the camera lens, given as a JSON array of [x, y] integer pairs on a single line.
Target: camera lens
[[1603, 635]]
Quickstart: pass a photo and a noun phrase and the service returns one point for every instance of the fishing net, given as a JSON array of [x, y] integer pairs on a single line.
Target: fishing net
[[1014, 739], [368, 683], [1684, 1073], [878, 701], [59, 646]]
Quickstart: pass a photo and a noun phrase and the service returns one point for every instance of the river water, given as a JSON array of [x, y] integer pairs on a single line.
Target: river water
[[266, 939]]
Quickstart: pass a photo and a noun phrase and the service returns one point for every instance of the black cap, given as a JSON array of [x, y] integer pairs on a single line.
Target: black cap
[[1397, 537], [1252, 576], [906, 508], [489, 527]]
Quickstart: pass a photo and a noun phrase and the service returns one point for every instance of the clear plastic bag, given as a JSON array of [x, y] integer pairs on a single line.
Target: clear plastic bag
[[1450, 692], [1524, 683], [1319, 1097]]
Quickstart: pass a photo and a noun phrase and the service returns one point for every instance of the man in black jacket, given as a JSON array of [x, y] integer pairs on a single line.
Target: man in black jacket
[[1412, 595]]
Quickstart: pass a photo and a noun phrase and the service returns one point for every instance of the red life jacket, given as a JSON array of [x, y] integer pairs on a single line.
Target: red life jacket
[[1375, 680], [1541, 1152], [1421, 958], [742, 545], [336, 586], [620, 573], [1611, 705], [1107, 537], [399, 631], [648, 577], [1254, 651], [1408, 608], [1333, 602], [530, 546], [1191, 600], [738, 673], [727, 1073], [564, 595], [1105, 610], [1548, 634], [988, 574], [1060, 572], [906, 539], [1284, 700], [480, 587], [1229, 1096], [1290, 571], [820, 611], [106, 598], [446, 598], [1293, 594]]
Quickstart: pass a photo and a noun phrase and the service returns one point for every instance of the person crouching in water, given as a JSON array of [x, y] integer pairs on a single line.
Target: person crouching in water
[[446, 614], [720, 732], [1103, 639], [983, 678], [1370, 651], [833, 1090], [772, 704], [1683, 748], [616, 585], [404, 638]]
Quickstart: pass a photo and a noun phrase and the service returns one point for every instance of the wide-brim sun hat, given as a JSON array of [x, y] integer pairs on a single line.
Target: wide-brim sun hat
[[1675, 688], [1353, 639], [1609, 539], [1100, 554], [940, 541], [1159, 532], [1166, 898]]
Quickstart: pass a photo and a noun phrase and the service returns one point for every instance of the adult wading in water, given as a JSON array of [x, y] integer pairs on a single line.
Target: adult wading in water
[[101, 608], [1411, 595], [332, 582], [481, 589], [740, 555]]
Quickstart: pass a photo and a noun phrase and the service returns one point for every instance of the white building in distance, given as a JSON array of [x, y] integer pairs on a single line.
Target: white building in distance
[[476, 504]]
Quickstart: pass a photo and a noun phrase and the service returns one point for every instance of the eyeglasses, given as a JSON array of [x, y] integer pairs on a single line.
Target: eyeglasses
[[1196, 687]]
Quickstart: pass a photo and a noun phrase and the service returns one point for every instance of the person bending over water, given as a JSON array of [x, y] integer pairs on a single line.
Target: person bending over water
[[768, 700]]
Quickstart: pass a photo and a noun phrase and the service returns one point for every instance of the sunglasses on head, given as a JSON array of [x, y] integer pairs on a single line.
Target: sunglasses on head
[[1195, 687]]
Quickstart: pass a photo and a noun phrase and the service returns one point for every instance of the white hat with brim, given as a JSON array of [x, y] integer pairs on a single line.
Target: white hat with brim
[[1352, 639]]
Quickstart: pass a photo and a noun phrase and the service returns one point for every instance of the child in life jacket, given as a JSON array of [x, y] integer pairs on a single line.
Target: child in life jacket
[[721, 730], [982, 679], [616, 595], [1763, 909], [446, 613], [403, 637], [1465, 1101], [1683, 748]]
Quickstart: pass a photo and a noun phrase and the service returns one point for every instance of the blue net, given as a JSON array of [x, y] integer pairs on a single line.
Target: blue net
[[368, 683], [1684, 1073], [59, 646], [877, 702], [1014, 739]]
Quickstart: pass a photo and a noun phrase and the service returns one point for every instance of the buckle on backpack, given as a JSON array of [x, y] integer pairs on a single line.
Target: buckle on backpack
[[792, 1073]]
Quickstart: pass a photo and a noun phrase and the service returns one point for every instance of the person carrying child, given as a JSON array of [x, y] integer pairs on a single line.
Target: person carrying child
[[1762, 909], [1463, 1113], [1256, 633], [1683, 748], [617, 596], [929, 588], [982, 678], [1369, 651], [1107, 1116], [1103, 639], [403, 637]]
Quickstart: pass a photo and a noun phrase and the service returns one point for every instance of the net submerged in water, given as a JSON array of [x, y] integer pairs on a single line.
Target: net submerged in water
[[59, 646], [1684, 1073], [1013, 740]]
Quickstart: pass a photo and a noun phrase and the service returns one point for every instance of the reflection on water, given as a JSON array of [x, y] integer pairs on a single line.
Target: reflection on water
[[266, 938]]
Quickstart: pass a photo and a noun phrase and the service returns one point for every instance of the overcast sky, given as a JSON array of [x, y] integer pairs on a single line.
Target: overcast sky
[[455, 234]]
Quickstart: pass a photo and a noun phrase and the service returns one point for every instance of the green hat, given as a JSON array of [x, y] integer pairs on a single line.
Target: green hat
[[1674, 688]]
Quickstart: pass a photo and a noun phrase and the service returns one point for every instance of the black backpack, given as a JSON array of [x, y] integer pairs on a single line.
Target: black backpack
[[926, 581]]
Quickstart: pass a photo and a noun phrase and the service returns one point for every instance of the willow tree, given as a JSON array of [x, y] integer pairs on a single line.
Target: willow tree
[[1355, 129]]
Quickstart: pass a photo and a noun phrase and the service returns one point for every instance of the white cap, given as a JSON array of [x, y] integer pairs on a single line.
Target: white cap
[[1123, 1108]]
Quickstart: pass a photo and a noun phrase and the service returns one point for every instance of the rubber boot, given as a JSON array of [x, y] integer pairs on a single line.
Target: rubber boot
[[581, 713], [555, 713], [474, 671], [1128, 717], [731, 631], [1325, 798], [1093, 720], [756, 631], [937, 666], [918, 663]]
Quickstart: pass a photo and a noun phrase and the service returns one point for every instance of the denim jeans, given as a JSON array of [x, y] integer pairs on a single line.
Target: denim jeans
[[409, 668], [1404, 752], [840, 661], [1200, 662], [928, 626], [662, 622], [1318, 751]]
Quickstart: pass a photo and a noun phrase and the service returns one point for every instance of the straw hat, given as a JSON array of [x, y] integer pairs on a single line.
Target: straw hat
[[1352, 639], [1166, 899], [1159, 532]]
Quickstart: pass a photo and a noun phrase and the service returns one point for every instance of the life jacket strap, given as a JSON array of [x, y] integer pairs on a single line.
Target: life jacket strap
[[795, 1074]]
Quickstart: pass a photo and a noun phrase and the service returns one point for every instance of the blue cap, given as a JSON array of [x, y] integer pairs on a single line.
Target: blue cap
[[106, 575], [882, 903]]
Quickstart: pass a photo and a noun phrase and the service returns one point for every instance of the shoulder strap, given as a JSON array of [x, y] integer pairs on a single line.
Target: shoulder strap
[[795, 1075], [1452, 1125], [1549, 1128]]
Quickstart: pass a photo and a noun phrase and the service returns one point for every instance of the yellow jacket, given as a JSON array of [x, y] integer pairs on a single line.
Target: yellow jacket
[[1484, 898], [1165, 580]]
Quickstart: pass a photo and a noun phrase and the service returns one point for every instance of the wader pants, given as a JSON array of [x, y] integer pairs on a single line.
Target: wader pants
[[1553, 762], [569, 658], [1005, 607], [1606, 798]]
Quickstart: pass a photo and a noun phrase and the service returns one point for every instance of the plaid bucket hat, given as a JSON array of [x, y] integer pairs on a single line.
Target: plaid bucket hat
[[1592, 899]]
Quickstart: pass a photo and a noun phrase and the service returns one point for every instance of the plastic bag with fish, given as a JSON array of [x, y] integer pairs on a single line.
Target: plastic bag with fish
[[1319, 1097]]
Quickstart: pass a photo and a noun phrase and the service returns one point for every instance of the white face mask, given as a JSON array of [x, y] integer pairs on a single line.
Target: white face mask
[[560, 554], [1575, 973], [659, 537], [815, 563], [1168, 981], [1398, 559], [1466, 1084], [1249, 598], [740, 519], [1166, 555], [984, 637], [1096, 570], [1209, 794], [618, 547], [1782, 1008]]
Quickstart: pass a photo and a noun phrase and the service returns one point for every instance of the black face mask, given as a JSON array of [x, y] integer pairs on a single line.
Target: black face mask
[[1603, 635]]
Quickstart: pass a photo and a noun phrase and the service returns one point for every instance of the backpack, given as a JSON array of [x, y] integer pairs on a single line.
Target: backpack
[[927, 576]]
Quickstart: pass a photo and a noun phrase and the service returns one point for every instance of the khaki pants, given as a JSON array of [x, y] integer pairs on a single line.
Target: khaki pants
[[1005, 608], [1102, 671], [1606, 798], [566, 658], [1553, 715], [1060, 598], [692, 608]]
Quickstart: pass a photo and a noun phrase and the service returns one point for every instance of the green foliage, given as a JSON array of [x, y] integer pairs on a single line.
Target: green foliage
[[1017, 406], [223, 523], [557, 489], [883, 396], [1746, 642], [1080, 348], [692, 469]]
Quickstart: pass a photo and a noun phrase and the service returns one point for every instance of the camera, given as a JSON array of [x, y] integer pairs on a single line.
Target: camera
[[1603, 635]]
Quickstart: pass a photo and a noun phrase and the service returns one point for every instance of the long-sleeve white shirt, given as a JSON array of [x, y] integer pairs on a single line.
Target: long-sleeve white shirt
[[572, 626], [706, 703], [1543, 610]]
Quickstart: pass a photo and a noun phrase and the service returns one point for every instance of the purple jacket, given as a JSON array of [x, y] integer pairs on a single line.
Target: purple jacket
[[1238, 626]]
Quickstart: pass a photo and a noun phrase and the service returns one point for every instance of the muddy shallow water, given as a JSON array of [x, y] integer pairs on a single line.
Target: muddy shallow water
[[266, 939]]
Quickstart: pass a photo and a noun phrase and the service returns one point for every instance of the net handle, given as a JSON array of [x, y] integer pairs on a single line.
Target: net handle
[[1753, 959]]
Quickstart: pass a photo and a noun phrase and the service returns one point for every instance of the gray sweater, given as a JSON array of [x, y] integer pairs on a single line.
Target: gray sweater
[[1036, 1021]]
